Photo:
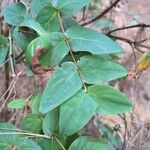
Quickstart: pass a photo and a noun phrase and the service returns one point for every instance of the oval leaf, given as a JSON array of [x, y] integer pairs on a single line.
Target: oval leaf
[[95, 70], [14, 14], [65, 83], [27, 144], [68, 7], [7, 140], [55, 46], [50, 123], [88, 143], [75, 113], [17, 104], [48, 144], [3, 48], [109, 100], [83, 39], [21, 39], [37, 5], [47, 17], [36, 103], [32, 123], [33, 25], [108, 132]]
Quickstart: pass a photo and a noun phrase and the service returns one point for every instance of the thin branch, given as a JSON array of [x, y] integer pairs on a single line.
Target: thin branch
[[24, 133], [121, 39], [70, 50], [11, 87], [19, 57], [4, 62], [11, 53], [83, 13], [61, 145], [130, 27], [100, 15], [126, 130], [131, 42], [142, 45], [138, 133], [67, 42]]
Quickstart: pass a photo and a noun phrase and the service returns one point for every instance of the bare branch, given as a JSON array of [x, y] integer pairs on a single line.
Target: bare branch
[[100, 15], [131, 42], [129, 27]]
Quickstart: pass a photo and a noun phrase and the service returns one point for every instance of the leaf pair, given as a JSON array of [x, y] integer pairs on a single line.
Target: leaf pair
[[85, 40], [10, 138], [65, 89], [66, 80]]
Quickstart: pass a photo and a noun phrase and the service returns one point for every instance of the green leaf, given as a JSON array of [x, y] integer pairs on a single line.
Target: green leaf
[[64, 84], [68, 7], [37, 5], [32, 123], [88, 143], [7, 140], [42, 41], [54, 44], [95, 70], [50, 123], [3, 54], [48, 144], [5, 146], [36, 103], [109, 100], [14, 14], [33, 25], [27, 144], [69, 22], [3, 39], [21, 40], [70, 139], [75, 113], [112, 136], [3, 48], [47, 17], [83, 39], [17, 104]]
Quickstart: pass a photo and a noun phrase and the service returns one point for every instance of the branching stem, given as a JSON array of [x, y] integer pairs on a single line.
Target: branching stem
[[100, 15], [61, 145], [70, 49], [25, 133], [129, 27]]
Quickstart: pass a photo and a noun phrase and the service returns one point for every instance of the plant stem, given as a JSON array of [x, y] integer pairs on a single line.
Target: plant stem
[[4, 62], [100, 15], [129, 27], [11, 54], [59, 143], [24, 133], [66, 40], [70, 49], [136, 44]]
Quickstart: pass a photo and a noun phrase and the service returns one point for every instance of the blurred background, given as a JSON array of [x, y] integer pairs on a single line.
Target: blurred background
[[134, 127]]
